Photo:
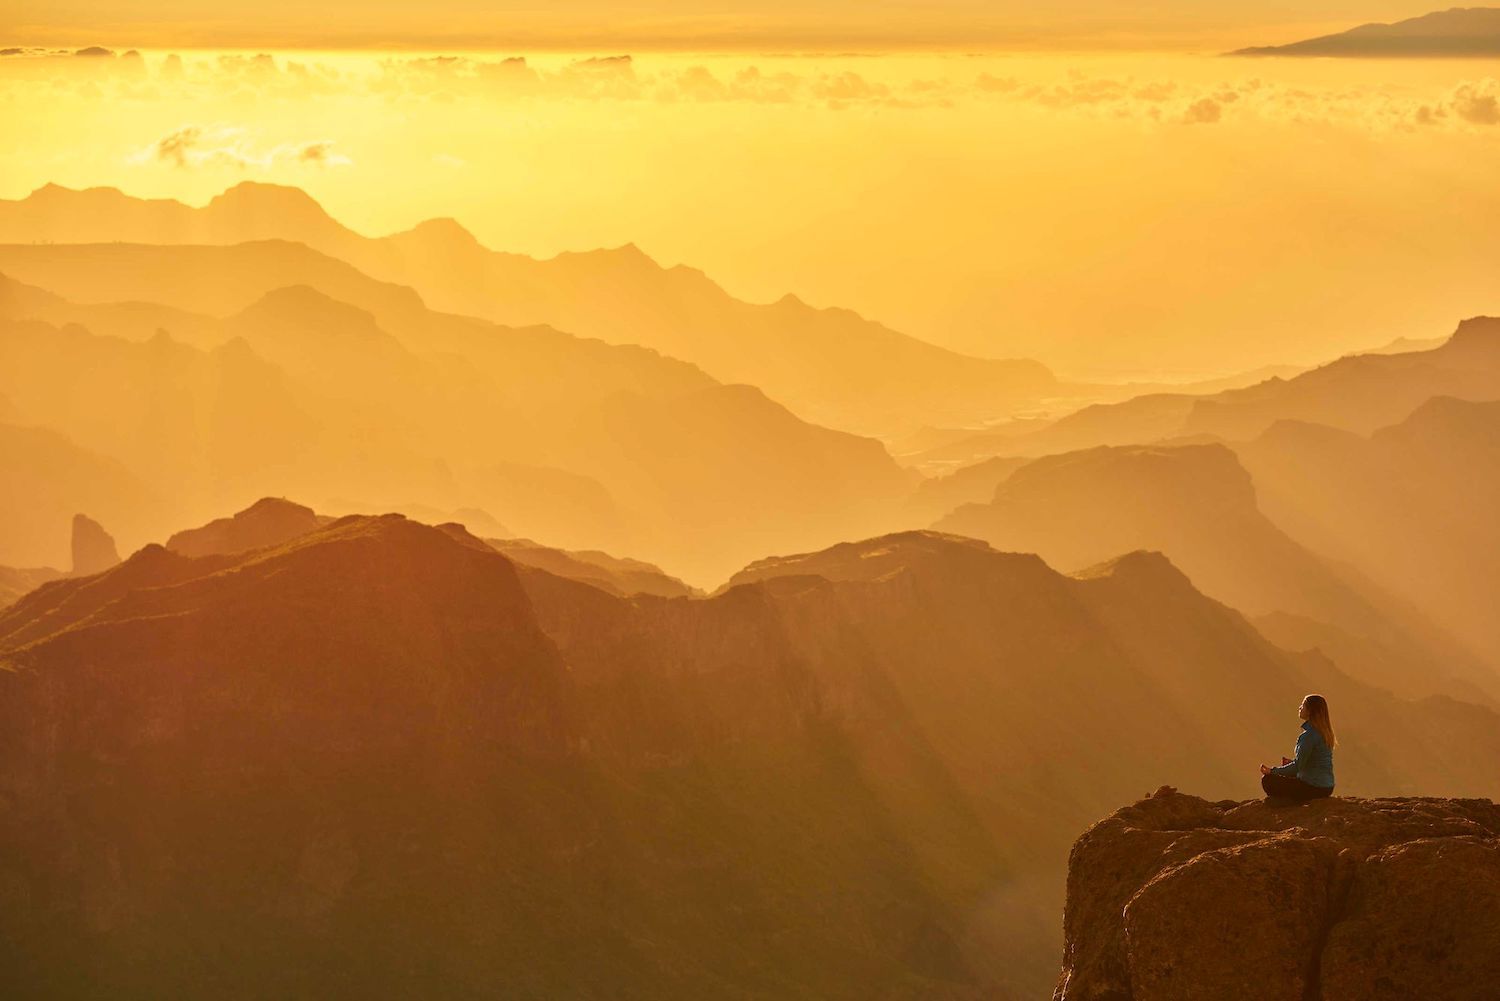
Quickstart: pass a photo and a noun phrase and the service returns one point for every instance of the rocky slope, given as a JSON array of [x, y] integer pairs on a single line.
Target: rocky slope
[[380, 760], [1179, 899]]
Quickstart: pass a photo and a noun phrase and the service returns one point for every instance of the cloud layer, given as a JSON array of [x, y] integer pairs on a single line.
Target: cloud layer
[[830, 84]]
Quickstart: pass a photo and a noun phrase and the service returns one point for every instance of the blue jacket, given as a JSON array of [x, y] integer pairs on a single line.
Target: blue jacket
[[1312, 762]]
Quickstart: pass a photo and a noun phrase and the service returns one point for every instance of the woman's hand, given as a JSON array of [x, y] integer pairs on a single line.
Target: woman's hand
[[1264, 770]]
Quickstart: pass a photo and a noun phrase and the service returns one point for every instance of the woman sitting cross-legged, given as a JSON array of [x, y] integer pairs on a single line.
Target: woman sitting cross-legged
[[1309, 775]]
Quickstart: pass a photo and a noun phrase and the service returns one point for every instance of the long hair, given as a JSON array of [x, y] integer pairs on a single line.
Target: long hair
[[1317, 715]]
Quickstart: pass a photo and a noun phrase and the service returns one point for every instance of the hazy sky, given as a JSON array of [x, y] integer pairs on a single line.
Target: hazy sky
[[1113, 212], [766, 24]]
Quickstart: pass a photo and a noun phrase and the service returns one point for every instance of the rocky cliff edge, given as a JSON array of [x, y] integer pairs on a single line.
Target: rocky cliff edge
[[1342, 899]]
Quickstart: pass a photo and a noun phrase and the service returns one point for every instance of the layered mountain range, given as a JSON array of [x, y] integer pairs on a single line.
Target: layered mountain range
[[378, 755], [1301, 507], [830, 366], [512, 742], [380, 400], [1359, 393]]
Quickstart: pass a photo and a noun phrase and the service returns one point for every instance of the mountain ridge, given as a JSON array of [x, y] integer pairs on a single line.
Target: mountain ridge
[[618, 295], [397, 710], [1459, 32]]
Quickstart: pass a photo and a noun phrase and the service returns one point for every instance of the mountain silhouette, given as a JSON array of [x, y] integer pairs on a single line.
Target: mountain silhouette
[[830, 366], [270, 521], [1446, 34], [974, 484], [585, 445], [132, 321], [1408, 505], [1199, 506], [618, 575], [1360, 392], [93, 547], [274, 521], [378, 740]]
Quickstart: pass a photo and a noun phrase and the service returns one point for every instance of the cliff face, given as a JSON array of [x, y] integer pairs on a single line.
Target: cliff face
[[1343, 899]]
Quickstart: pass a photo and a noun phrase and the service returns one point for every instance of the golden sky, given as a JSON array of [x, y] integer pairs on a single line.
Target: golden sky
[[1110, 213], [676, 24]]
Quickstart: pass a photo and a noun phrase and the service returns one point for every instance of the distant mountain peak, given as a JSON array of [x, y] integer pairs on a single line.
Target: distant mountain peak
[[291, 209], [1456, 32], [262, 194], [51, 189], [886, 555], [1136, 567], [53, 192], [269, 521], [443, 230], [93, 548], [307, 315], [1476, 329], [305, 297]]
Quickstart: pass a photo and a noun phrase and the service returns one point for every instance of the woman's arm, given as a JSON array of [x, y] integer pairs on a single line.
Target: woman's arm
[[1291, 769]]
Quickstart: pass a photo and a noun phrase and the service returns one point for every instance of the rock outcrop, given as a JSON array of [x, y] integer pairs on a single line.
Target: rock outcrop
[[1179, 899], [93, 548], [270, 521]]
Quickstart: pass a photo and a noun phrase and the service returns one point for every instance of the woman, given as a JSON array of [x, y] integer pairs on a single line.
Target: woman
[[1309, 775]]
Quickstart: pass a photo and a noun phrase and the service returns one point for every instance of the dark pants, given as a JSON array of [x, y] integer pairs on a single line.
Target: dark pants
[[1291, 787]]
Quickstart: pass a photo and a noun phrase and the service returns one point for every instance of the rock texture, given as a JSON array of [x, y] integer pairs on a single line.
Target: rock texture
[[93, 547], [1179, 899]]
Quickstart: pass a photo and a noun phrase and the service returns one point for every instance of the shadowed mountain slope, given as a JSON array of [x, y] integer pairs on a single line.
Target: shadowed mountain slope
[[1447, 34], [830, 366], [618, 575], [1412, 506], [1198, 505], [375, 760], [974, 484]]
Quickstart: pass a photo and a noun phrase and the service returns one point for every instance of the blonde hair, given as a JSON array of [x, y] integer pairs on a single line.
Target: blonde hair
[[1317, 715]]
